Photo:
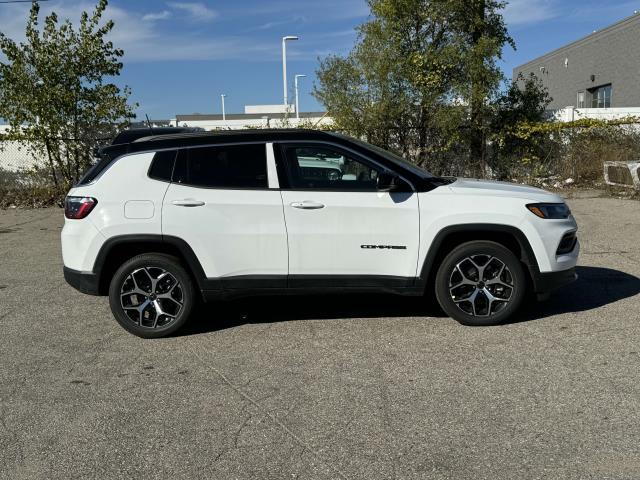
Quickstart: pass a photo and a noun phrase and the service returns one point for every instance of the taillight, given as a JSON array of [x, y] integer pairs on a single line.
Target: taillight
[[77, 208]]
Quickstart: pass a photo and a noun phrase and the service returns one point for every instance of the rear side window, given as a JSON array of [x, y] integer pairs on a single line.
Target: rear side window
[[162, 165], [231, 166]]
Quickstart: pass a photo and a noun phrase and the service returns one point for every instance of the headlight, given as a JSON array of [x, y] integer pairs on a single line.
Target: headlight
[[552, 211]]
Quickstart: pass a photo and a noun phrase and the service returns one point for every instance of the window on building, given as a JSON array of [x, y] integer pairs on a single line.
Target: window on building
[[581, 100], [601, 97], [233, 166]]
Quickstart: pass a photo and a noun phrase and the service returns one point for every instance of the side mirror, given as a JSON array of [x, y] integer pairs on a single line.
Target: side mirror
[[389, 182]]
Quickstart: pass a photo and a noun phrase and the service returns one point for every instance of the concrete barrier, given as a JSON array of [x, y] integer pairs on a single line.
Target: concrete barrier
[[622, 174]]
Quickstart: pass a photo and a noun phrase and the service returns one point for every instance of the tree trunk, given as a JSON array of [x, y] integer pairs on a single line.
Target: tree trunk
[[52, 165]]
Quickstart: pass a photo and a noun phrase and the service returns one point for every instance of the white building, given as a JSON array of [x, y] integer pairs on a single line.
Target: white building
[[570, 114], [267, 109], [236, 121]]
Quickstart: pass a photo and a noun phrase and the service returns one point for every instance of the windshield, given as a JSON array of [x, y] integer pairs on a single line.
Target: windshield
[[397, 159]]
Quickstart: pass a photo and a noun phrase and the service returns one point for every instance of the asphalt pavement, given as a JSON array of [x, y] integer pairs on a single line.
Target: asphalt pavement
[[358, 387]]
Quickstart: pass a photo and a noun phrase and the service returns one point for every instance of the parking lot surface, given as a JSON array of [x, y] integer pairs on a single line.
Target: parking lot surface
[[362, 387]]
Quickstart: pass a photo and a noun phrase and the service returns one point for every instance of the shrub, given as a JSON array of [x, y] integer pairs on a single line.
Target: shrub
[[574, 150]]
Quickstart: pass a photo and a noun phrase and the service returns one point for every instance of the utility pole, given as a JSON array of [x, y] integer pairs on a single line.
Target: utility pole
[[284, 65]]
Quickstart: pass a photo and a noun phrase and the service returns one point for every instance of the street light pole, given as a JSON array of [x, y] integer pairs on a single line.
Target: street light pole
[[284, 65], [224, 116], [297, 95]]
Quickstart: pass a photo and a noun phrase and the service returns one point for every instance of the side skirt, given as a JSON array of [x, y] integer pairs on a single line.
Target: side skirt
[[267, 285]]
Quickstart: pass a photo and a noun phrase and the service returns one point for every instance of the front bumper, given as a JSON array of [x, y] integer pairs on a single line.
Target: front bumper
[[547, 282], [545, 236], [85, 282]]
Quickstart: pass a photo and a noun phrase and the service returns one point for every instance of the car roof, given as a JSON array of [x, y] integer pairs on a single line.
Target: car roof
[[221, 136], [192, 139]]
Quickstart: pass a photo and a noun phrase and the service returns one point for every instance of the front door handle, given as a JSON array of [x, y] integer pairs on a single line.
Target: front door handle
[[306, 205], [188, 202]]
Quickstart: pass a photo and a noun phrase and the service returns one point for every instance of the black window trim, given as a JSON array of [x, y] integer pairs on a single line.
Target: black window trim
[[177, 150], [282, 145], [279, 157], [229, 144]]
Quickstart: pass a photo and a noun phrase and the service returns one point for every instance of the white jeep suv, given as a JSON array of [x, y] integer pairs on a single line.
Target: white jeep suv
[[168, 220]]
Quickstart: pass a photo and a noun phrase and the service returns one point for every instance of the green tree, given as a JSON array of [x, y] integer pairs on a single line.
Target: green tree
[[56, 94], [383, 92], [420, 80], [524, 100], [480, 34], [522, 104]]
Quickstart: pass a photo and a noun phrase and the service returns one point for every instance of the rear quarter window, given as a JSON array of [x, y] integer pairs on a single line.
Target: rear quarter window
[[162, 165]]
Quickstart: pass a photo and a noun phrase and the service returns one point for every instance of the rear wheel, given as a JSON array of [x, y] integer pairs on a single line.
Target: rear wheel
[[151, 295], [480, 283]]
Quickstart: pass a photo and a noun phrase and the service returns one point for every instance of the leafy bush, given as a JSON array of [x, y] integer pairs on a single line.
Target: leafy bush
[[28, 188], [574, 150], [8, 179], [584, 154]]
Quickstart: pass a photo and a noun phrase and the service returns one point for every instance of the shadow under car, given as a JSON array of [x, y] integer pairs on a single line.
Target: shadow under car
[[594, 288]]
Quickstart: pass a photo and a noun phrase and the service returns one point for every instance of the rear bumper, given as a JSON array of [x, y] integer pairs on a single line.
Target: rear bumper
[[550, 281], [85, 282]]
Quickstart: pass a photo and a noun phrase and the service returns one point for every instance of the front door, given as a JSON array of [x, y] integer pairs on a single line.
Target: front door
[[342, 231]]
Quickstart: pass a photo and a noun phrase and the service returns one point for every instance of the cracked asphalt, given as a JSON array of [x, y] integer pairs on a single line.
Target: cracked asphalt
[[358, 387]]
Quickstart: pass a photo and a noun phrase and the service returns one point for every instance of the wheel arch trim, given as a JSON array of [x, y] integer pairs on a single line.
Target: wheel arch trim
[[186, 252], [527, 254]]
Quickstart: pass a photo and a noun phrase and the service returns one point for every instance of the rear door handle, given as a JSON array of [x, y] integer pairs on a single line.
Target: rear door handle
[[188, 202], [306, 205]]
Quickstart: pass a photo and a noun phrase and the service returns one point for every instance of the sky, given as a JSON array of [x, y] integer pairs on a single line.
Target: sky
[[181, 55]]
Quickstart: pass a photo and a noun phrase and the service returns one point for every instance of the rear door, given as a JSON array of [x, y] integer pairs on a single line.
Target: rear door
[[220, 202], [342, 231]]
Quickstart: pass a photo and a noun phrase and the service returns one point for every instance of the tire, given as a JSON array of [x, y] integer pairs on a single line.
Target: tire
[[475, 301], [152, 295]]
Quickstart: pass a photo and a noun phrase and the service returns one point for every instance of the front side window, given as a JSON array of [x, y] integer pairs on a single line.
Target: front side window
[[230, 166], [390, 156], [325, 168], [601, 97], [581, 102]]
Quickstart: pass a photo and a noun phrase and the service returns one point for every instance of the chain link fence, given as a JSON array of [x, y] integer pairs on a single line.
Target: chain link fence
[[25, 179], [15, 156]]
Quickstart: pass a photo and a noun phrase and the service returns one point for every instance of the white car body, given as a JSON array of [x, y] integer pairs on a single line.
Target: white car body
[[290, 239]]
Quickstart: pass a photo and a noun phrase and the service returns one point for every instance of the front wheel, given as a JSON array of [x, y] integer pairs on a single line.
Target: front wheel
[[151, 295], [480, 283]]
